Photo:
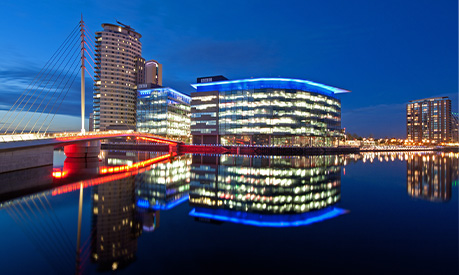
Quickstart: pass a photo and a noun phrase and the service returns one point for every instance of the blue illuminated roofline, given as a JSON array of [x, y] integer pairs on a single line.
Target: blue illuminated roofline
[[265, 83], [274, 220]]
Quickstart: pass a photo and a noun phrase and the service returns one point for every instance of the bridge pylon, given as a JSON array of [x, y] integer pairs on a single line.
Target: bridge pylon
[[82, 74]]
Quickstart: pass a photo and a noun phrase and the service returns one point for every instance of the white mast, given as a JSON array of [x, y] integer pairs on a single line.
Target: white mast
[[82, 74]]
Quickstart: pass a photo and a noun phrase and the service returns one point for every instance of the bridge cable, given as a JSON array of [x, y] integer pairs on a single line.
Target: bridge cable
[[53, 73], [83, 247], [88, 32], [38, 235], [55, 216], [56, 243], [87, 61], [58, 229], [90, 47], [89, 74], [49, 124], [39, 74], [56, 98], [37, 87], [43, 222], [58, 52], [49, 89], [91, 59], [75, 73], [68, 90], [28, 233], [55, 90], [90, 54]]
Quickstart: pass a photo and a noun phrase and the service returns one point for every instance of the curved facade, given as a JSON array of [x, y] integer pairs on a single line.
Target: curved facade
[[266, 111]]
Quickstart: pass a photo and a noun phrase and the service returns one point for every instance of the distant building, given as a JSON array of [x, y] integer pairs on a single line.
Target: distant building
[[429, 120], [274, 111], [139, 70], [455, 127], [118, 51], [163, 111], [153, 72]]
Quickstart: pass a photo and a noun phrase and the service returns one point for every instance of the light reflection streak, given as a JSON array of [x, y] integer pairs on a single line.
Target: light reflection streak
[[131, 170]]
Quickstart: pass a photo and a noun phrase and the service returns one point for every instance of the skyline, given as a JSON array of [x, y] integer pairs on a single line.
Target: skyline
[[385, 61]]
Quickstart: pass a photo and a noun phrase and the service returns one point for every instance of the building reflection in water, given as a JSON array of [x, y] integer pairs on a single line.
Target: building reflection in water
[[271, 191], [164, 186], [430, 177], [116, 224], [123, 208]]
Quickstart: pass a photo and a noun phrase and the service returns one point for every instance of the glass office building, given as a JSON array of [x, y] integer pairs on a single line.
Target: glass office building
[[265, 111], [163, 111]]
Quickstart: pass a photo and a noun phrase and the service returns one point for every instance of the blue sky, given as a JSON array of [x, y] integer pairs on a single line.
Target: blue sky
[[385, 52]]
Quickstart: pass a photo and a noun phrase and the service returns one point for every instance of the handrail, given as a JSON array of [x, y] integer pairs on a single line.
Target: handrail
[[63, 135]]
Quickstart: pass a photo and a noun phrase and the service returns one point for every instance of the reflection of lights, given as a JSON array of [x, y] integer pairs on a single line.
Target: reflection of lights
[[57, 173], [143, 203], [146, 204], [286, 220], [122, 168], [93, 182]]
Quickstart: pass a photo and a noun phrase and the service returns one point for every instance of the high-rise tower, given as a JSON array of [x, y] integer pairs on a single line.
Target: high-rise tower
[[429, 120], [154, 72], [117, 50]]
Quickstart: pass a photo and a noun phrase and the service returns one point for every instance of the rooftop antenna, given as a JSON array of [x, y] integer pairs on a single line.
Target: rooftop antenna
[[124, 25]]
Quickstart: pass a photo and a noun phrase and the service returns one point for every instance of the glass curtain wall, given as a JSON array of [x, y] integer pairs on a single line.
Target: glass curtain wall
[[282, 117], [164, 112]]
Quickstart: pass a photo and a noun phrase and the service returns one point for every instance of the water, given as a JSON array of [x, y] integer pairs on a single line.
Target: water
[[369, 213]]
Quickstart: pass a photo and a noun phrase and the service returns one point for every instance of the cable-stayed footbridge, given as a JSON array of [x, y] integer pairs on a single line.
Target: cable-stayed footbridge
[[25, 137]]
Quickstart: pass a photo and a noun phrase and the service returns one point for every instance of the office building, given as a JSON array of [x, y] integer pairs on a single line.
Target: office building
[[429, 120], [153, 72], [265, 111], [118, 49], [163, 111], [139, 70]]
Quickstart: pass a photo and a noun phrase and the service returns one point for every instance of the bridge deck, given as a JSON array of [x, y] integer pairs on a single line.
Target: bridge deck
[[59, 140]]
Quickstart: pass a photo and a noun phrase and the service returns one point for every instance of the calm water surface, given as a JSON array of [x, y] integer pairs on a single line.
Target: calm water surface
[[370, 213]]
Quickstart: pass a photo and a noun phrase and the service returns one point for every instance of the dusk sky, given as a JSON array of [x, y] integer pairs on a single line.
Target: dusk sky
[[385, 52]]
